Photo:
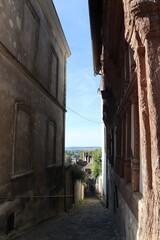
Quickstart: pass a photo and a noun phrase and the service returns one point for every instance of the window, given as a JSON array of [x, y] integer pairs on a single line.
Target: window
[[29, 37], [22, 143], [54, 75], [51, 144]]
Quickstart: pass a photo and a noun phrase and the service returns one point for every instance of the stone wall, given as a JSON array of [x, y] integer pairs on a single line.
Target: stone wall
[[33, 53], [123, 204], [69, 191], [98, 187], [126, 221], [78, 191]]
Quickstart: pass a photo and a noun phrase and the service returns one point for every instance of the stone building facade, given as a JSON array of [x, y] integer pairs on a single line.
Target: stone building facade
[[126, 52], [33, 52]]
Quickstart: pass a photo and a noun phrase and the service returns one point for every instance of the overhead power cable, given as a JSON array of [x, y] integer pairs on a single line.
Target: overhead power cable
[[83, 116]]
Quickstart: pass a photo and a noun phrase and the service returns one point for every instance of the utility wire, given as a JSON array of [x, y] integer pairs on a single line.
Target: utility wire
[[83, 116]]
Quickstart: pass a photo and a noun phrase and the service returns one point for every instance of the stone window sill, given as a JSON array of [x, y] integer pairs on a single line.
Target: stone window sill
[[131, 198], [19, 175], [51, 166]]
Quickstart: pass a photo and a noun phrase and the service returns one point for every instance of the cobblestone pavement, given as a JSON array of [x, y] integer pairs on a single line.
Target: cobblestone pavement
[[88, 222]]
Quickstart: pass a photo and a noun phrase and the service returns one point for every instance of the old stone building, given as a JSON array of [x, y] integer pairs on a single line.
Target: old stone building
[[33, 52], [126, 52]]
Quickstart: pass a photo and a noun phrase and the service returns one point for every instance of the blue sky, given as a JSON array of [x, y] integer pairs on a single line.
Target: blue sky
[[82, 85]]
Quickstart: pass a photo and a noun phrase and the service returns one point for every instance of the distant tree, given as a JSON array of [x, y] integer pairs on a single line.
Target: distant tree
[[76, 155], [77, 172], [81, 154], [97, 162], [68, 160]]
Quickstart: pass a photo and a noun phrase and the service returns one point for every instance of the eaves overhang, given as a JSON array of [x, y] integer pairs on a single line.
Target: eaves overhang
[[95, 14]]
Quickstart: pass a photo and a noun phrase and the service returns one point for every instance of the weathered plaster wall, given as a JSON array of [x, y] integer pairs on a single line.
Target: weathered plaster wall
[[103, 191], [78, 191], [69, 190], [126, 221], [32, 98], [25, 32]]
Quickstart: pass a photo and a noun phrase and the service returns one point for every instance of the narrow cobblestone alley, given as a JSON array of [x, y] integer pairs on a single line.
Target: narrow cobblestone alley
[[90, 221]]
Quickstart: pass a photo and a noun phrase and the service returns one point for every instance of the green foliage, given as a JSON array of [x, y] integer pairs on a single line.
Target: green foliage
[[77, 172], [68, 160], [82, 202], [97, 163], [96, 170], [97, 154], [81, 154]]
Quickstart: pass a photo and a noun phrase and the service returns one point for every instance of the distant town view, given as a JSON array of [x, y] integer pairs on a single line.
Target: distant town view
[[86, 165]]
